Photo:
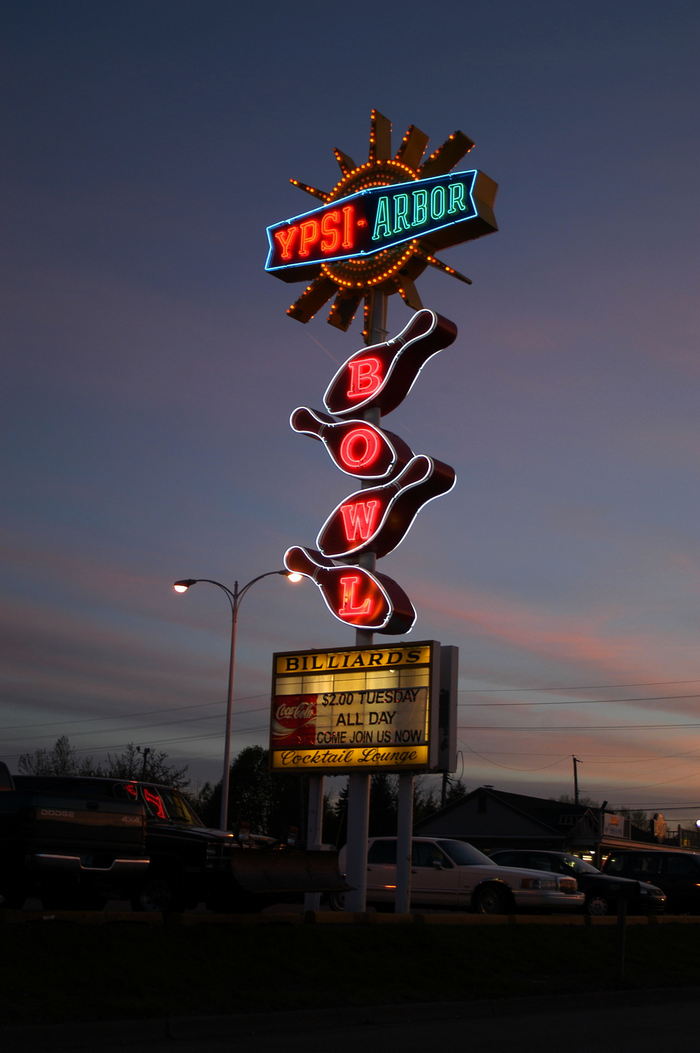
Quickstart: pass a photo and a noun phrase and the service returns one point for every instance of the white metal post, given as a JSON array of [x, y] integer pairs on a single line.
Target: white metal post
[[404, 844], [314, 830]]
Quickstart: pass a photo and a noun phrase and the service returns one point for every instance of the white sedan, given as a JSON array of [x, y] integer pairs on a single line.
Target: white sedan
[[446, 873]]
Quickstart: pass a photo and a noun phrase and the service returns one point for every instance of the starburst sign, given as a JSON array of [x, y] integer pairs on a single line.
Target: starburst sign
[[381, 224]]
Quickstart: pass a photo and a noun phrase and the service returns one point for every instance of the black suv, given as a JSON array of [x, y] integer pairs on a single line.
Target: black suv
[[603, 891], [677, 872]]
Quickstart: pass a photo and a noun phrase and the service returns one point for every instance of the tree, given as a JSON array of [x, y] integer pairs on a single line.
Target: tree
[[454, 791], [636, 816], [135, 762], [60, 759], [424, 800], [583, 799], [383, 805], [260, 801]]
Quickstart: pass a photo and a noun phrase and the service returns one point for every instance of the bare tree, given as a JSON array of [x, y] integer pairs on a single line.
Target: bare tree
[[135, 762], [60, 759]]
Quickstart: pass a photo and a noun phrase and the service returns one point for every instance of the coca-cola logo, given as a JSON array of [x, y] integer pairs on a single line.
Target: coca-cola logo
[[294, 720], [300, 711]]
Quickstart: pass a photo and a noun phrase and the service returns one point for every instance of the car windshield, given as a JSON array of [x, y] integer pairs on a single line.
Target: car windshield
[[463, 854], [177, 808], [579, 866], [160, 801]]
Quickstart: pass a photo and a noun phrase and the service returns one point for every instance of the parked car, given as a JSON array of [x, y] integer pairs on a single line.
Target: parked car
[[676, 871], [454, 874], [603, 892]]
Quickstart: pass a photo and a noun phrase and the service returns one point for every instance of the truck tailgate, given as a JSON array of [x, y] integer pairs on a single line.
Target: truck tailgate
[[82, 826]]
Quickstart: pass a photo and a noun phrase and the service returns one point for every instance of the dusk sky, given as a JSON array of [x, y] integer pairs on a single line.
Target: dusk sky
[[150, 371]]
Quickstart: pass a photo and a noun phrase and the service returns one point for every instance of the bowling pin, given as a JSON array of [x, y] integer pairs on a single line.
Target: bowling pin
[[380, 376], [378, 518], [357, 447], [354, 595]]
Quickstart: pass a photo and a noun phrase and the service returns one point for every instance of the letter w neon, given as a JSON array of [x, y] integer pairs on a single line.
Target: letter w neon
[[360, 519]]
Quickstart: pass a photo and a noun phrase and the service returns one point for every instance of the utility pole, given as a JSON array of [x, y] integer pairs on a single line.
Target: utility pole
[[576, 762], [146, 751]]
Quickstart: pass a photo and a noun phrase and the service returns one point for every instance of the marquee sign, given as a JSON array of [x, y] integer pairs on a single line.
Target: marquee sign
[[376, 219], [381, 224], [336, 711]]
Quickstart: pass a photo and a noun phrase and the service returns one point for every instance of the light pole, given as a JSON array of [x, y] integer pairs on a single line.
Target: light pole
[[234, 597]]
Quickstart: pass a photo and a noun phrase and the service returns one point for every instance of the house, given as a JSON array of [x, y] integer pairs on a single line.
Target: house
[[492, 819]]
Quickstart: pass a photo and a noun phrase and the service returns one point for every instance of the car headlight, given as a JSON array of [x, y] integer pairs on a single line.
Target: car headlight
[[538, 883]]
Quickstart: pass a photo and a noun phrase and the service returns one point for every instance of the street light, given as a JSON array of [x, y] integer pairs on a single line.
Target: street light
[[234, 597]]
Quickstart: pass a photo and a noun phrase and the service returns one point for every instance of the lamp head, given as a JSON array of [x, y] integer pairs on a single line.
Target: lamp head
[[183, 586]]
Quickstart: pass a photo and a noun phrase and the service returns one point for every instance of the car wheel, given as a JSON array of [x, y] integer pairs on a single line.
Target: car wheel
[[157, 894], [597, 906], [492, 900]]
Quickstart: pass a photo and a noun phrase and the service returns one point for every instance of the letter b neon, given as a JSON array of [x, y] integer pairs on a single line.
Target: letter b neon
[[365, 377]]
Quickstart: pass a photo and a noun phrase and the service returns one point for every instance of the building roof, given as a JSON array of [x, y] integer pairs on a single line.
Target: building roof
[[496, 814]]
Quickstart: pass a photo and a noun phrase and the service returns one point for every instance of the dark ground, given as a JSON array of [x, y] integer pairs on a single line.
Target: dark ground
[[57, 969]]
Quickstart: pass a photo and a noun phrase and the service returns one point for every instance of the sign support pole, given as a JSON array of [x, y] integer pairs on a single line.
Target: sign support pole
[[404, 838], [314, 830], [358, 783]]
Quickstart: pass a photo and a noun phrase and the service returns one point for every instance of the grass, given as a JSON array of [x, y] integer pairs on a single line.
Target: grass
[[56, 971]]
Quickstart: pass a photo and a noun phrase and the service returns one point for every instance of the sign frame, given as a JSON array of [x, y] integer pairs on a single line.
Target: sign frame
[[369, 684]]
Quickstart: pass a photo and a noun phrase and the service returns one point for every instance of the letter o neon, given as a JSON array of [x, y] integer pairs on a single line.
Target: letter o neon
[[438, 202], [359, 448]]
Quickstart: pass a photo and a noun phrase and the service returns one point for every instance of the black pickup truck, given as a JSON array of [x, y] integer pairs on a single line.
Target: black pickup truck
[[191, 864], [68, 849]]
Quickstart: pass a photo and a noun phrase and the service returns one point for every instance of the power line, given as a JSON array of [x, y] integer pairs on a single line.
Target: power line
[[593, 758], [572, 727], [509, 767], [125, 716], [125, 745], [141, 727], [580, 701], [660, 807], [577, 687]]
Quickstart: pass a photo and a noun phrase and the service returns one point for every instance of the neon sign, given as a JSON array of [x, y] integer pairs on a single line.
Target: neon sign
[[373, 520], [355, 596], [381, 225], [380, 376], [357, 447], [372, 235], [379, 518], [379, 218]]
